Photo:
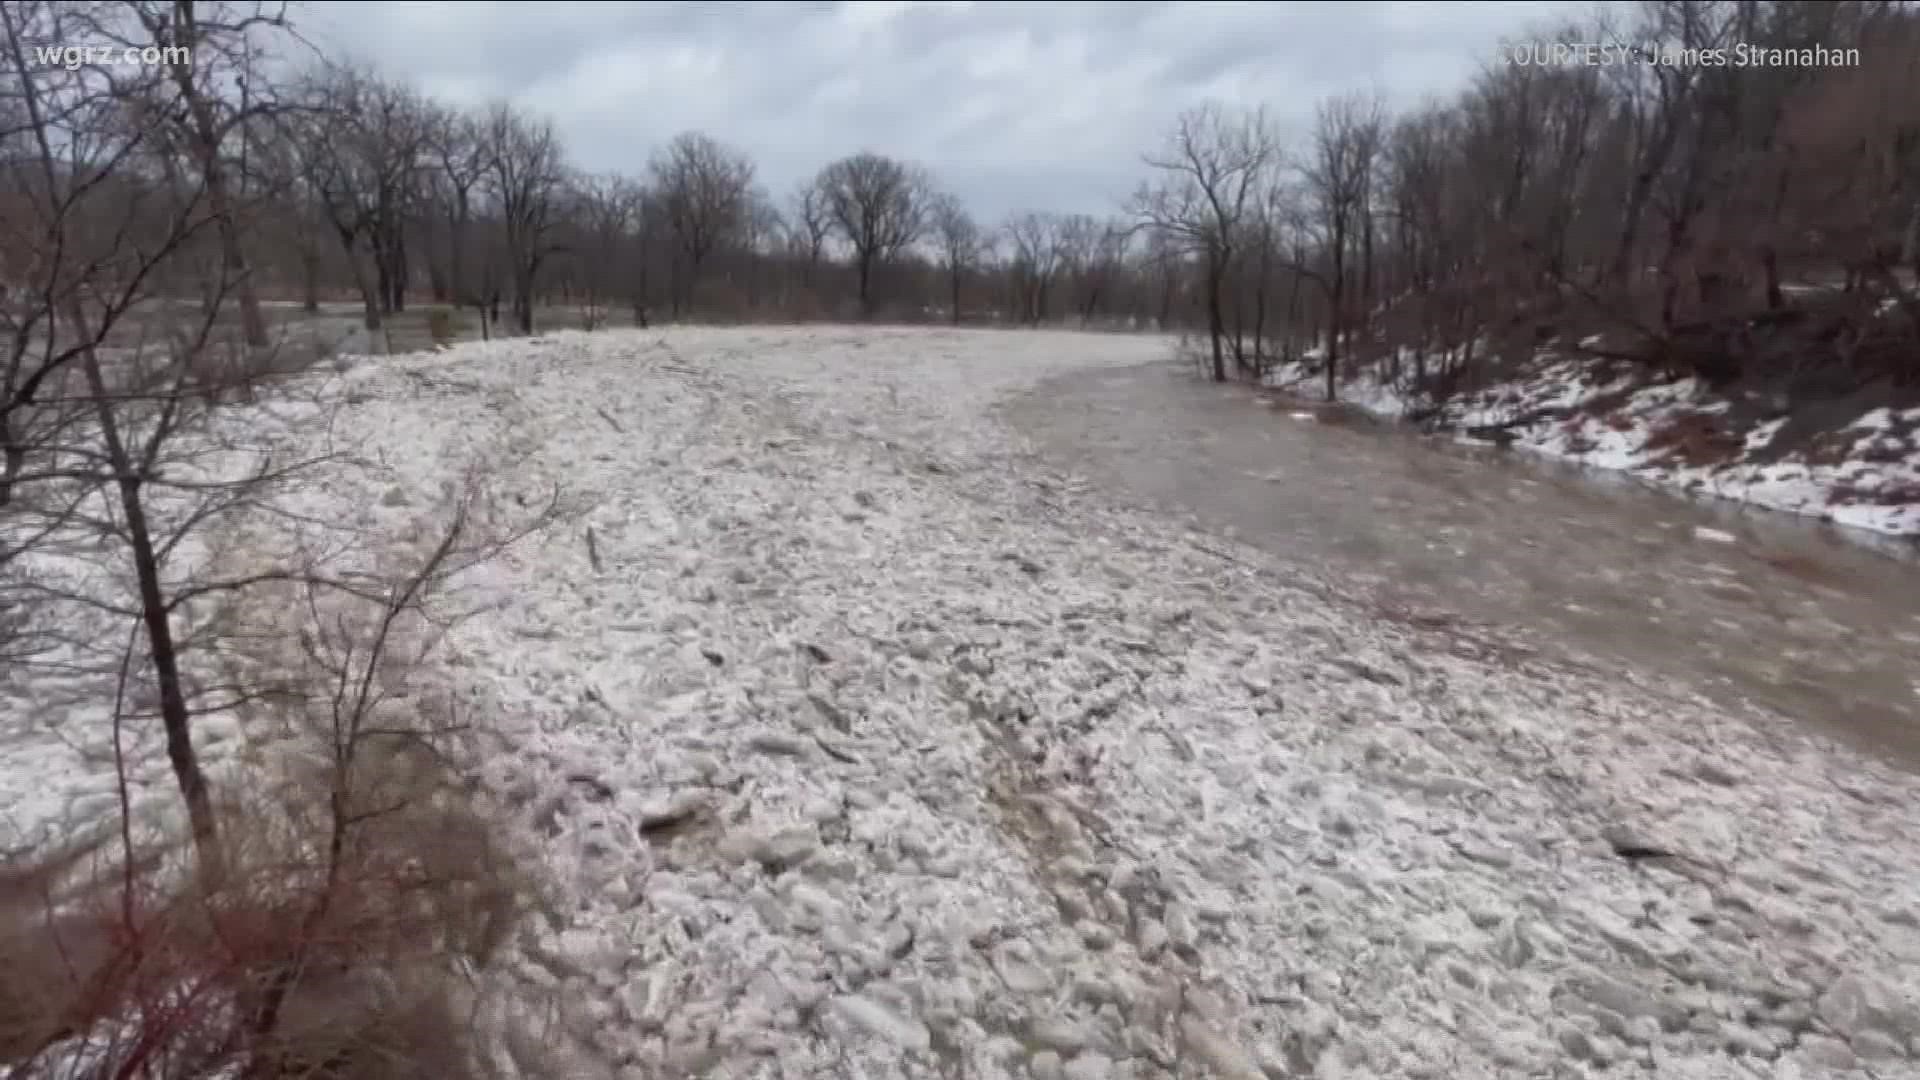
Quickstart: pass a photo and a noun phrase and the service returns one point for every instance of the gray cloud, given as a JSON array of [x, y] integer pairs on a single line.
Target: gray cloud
[[1012, 105]]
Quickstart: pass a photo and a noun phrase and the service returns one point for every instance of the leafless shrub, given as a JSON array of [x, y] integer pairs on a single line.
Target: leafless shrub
[[374, 962], [360, 891]]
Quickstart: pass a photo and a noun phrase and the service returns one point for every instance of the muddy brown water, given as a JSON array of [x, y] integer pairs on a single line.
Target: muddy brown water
[[1804, 620]]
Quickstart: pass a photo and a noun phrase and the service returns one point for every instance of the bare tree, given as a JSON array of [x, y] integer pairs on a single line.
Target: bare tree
[[1163, 260], [361, 143], [1035, 261], [647, 221], [599, 218], [1417, 165], [1077, 240], [703, 187], [878, 205], [763, 236], [1340, 174], [524, 174], [810, 223], [108, 229], [1854, 141], [1092, 257], [959, 243], [298, 230], [1213, 165], [218, 41], [64, 141], [459, 164]]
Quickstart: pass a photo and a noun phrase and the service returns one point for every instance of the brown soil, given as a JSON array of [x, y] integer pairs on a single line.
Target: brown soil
[[1696, 440]]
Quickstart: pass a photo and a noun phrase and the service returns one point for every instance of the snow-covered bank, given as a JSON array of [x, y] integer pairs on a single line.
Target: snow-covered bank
[[1863, 473], [863, 745]]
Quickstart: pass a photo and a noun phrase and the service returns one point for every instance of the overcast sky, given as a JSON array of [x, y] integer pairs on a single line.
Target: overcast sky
[[1039, 105]]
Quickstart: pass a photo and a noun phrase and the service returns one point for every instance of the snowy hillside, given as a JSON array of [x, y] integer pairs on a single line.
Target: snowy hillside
[[863, 745]]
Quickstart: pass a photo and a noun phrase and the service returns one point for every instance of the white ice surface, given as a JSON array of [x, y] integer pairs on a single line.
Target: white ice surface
[[947, 766]]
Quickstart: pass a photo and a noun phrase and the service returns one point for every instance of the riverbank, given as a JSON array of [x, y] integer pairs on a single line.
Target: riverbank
[[1853, 462]]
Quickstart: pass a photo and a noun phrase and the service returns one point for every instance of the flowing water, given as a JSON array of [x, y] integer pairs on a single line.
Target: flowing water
[[1743, 606]]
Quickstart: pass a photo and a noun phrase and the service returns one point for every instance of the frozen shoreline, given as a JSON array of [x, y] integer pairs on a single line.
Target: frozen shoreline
[[1865, 475], [874, 748]]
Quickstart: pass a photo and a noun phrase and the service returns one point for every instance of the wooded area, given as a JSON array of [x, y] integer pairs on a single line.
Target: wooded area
[[1721, 220], [1671, 208]]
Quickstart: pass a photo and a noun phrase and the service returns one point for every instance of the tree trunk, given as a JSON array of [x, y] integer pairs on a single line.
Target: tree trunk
[[371, 315], [436, 264], [1216, 318], [523, 301], [1239, 332], [1337, 299], [252, 324], [456, 249], [688, 282], [640, 293], [207, 148], [1260, 304], [16, 460], [362, 281], [1293, 319], [1910, 244], [1333, 358], [1364, 317], [954, 284], [1637, 197], [310, 280], [382, 284], [175, 717], [397, 276], [1259, 332]]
